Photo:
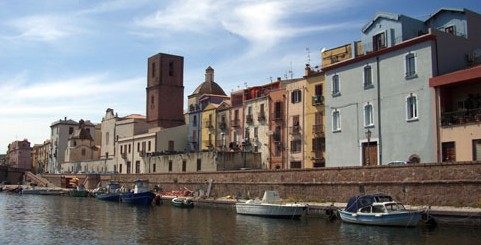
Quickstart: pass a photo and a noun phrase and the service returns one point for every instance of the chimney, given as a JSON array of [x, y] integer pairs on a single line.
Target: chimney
[[209, 74]]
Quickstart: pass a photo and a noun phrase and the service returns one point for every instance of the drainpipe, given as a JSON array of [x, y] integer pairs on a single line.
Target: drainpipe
[[437, 101], [379, 110]]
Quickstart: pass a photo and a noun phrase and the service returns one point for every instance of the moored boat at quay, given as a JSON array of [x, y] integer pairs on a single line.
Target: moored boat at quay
[[140, 195], [378, 209], [271, 206]]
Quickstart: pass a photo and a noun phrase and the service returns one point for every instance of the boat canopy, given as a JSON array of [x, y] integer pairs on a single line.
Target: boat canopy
[[360, 201]]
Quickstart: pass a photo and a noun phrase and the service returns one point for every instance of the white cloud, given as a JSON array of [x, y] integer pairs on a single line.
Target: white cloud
[[187, 15], [42, 28]]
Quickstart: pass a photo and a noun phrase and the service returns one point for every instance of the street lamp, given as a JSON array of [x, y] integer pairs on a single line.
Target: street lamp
[[368, 136]]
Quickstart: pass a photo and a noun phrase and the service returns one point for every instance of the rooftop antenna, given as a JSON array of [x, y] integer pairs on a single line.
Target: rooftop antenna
[[290, 71], [308, 51]]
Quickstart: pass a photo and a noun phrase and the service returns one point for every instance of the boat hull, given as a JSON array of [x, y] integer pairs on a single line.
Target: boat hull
[[406, 219], [111, 197], [137, 198], [182, 203], [286, 211]]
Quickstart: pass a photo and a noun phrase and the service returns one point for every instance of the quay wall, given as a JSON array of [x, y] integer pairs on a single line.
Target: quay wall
[[11, 175], [454, 184]]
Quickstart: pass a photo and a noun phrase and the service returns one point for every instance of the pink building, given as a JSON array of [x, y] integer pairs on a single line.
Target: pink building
[[20, 155]]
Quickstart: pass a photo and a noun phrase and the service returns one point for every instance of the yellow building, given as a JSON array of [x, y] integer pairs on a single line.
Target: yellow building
[[315, 151], [208, 127], [314, 120]]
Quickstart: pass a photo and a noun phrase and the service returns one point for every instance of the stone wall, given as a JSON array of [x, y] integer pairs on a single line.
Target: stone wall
[[456, 184]]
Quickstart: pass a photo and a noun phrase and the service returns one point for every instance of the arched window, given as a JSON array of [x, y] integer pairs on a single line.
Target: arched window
[[411, 107], [368, 115], [336, 120]]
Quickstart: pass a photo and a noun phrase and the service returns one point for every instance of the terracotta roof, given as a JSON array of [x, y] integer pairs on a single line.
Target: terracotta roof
[[209, 87], [135, 116]]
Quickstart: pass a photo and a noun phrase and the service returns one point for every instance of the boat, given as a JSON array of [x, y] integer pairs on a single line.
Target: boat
[[182, 202], [140, 195], [378, 209], [271, 206], [79, 191], [110, 193]]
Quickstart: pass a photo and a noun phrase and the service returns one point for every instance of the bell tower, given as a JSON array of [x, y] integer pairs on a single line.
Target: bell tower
[[165, 91]]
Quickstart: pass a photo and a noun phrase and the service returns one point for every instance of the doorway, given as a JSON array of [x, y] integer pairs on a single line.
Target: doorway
[[369, 153]]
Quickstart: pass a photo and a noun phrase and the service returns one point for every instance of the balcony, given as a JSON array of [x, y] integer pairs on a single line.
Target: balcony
[[208, 124], [208, 143], [141, 153], [317, 155], [123, 155], [276, 137], [317, 100], [222, 126], [261, 116], [295, 129], [249, 119], [462, 117], [235, 123], [277, 116], [318, 129]]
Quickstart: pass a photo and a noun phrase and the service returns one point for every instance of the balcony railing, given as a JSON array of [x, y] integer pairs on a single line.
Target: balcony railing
[[461, 117], [277, 116], [316, 155], [295, 129], [222, 126], [317, 100], [261, 116], [249, 119], [235, 123], [318, 129]]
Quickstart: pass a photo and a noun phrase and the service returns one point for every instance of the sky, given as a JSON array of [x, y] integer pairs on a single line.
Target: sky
[[76, 58]]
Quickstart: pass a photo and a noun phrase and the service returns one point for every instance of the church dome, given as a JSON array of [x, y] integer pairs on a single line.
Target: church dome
[[209, 86]]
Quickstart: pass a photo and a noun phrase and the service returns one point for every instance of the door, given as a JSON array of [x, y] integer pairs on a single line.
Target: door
[[369, 153]]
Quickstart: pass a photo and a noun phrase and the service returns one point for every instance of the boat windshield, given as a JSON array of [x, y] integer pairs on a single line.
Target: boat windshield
[[378, 209], [391, 207]]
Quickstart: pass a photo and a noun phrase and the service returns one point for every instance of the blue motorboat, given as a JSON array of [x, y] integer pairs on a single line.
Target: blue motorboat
[[378, 209], [111, 193], [140, 195]]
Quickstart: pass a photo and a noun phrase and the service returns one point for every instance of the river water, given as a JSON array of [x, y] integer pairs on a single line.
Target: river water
[[31, 219]]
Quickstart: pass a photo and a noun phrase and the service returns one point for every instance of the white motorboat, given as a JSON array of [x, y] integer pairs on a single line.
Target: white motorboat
[[271, 206], [378, 209]]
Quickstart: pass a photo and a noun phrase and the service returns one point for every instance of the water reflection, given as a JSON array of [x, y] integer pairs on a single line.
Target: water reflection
[[67, 220]]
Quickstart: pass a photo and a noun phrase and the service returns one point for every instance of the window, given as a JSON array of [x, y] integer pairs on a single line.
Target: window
[[368, 116], [278, 110], [199, 164], [194, 120], [152, 67], [410, 65], [296, 146], [70, 130], [171, 145], [171, 68], [170, 165], [83, 152], [184, 165], [379, 41], [367, 77], [448, 151], [450, 30], [336, 86], [148, 148], [137, 167], [411, 107], [336, 120], [138, 146], [296, 96], [477, 150], [296, 164], [154, 168]]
